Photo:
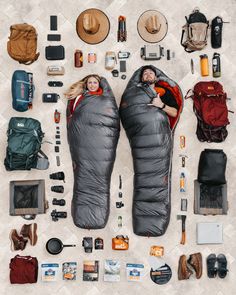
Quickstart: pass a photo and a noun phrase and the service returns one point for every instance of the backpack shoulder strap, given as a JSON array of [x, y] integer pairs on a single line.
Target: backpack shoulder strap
[[42, 162]]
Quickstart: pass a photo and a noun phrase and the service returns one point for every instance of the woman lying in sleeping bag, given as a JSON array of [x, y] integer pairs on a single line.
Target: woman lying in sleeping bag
[[93, 130], [150, 108]]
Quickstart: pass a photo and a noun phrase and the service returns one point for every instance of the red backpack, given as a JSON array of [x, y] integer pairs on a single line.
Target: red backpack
[[209, 106]]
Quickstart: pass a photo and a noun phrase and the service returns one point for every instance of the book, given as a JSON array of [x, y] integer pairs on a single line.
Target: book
[[49, 272], [90, 270], [134, 272], [111, 270], [69, 270]]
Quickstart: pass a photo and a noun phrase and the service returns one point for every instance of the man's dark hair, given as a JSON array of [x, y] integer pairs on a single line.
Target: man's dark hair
[[149, 67]]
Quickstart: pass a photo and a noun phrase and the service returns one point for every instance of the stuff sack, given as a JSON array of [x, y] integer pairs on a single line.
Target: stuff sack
[[212, 167], [216, 32], [209, 106], [196, 29], [210, 188], [24, 145], [22, 44], [22, 89]]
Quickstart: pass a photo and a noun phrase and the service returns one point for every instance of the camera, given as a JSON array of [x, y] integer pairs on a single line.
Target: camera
[[123, 54], [119, 204], [87, 243], [58, 214]]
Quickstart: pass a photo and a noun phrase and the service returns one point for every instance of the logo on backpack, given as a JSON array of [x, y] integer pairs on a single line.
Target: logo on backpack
[[20, 125], [195, 31]]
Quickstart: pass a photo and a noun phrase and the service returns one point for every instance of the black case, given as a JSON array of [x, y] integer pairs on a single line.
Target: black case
[[54, 37], [216, 32], [53, 22], [50, 97], [55, 52]]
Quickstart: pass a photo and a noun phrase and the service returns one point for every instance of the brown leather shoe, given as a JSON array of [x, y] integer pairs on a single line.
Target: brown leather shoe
[[29, 231], [184, 272], [17, 242], [195, 260]]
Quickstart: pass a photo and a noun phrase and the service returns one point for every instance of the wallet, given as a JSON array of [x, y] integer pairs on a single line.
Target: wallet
[[55, 52], [55, 70], [50, 97]]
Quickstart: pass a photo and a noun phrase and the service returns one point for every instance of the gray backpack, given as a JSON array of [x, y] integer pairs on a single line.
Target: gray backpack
[[195, 31]]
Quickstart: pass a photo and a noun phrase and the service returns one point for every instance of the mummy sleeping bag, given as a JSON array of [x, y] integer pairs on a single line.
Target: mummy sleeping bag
[[93, 132], [150, 132]]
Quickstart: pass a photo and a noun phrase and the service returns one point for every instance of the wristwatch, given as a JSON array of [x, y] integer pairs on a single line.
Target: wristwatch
[[164, 105]]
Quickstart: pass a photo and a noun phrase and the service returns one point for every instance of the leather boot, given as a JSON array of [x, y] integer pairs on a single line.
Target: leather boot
[[29, 231], [17, 242], [184, 272], [195, 260]]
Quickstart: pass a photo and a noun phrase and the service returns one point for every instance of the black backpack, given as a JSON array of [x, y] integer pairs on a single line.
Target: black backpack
[[24, 145]]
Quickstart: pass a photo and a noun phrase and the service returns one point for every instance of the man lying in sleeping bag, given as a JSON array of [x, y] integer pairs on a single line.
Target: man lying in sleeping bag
[[164, 100], [149, 110]]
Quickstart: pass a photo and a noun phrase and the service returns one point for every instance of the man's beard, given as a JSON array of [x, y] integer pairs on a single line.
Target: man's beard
[[150, 82]]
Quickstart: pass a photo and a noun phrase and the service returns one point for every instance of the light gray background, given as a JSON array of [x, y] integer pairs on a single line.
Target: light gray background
[[37, 13]]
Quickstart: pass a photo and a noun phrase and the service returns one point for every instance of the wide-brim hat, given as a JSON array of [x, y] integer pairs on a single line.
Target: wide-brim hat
[[152, 26], [92, 26]]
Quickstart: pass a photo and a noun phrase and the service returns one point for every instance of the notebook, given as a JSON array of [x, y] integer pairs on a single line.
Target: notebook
[[209, 233]]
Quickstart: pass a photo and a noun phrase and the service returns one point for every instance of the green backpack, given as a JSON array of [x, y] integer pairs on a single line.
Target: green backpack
[[24, 145]]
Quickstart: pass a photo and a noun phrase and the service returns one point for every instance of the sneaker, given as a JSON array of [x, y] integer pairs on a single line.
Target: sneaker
[[29, 231], [17, 242]]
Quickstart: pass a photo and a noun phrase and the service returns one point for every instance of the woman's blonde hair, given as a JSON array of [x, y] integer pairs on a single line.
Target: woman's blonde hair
[[79, 87]]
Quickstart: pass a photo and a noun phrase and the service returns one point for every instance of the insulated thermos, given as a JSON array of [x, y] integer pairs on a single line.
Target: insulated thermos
[[204, 65], [216, 68], [78, 59]]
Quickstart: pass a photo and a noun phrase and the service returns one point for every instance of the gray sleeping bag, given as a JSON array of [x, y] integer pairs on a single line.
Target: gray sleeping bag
[[151, 140], [93, 132]]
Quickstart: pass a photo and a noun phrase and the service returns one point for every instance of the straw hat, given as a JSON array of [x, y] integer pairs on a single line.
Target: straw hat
[[92, 26], [152, 26]]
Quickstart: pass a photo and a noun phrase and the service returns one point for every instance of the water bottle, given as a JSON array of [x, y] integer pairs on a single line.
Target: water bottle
[[78, 58], [216, 68], [204, 65], [182, 182]]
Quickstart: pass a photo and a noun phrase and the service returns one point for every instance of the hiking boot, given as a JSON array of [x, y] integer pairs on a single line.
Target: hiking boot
[[17, 242], [29, 231], [195, 260], [184, 272]]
